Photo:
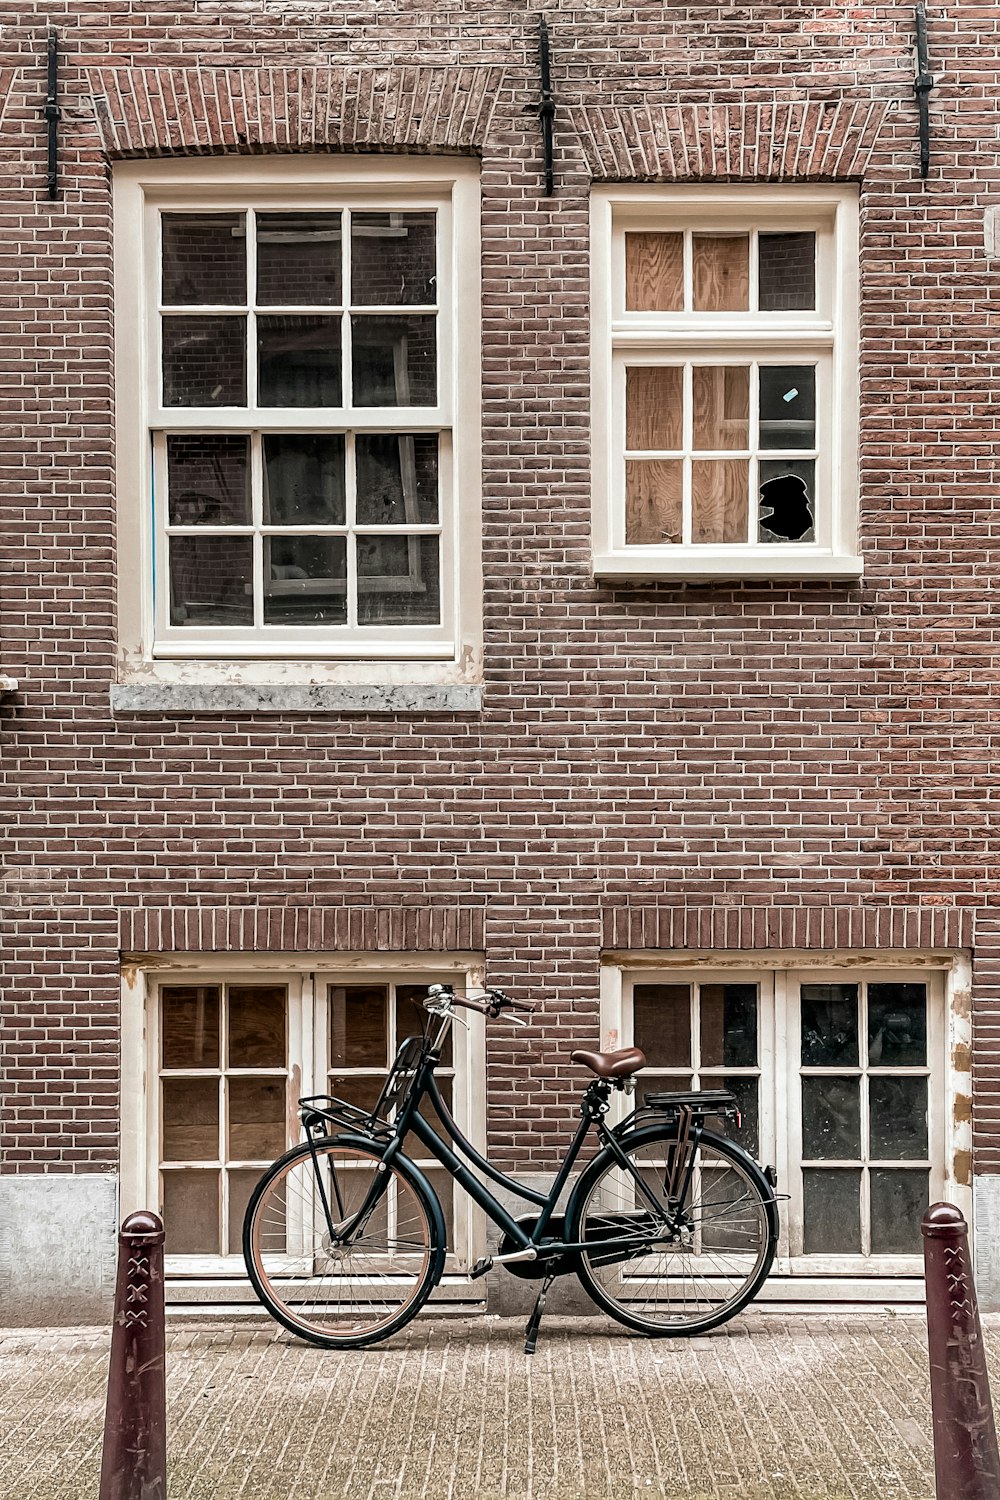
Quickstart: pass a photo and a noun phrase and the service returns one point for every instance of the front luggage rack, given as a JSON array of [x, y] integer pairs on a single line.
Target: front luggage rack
[[328, 1109]]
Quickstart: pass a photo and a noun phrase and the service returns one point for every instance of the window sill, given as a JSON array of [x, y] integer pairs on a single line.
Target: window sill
[[184, 698], [642, 565], [7, 684]]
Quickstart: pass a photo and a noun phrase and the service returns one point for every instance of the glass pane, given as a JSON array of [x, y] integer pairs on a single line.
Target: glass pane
[[397, 479], [241, 1185], [661, 1025], [832, 1212], [398, 580], [395, 360], [298, 361], [359, 1025], [304, 479], [787, 406], [653, 500], [897, 1025], [411, 1018], [654, 272], [787, 500], [191, 1213], [786, 272], [393, 259], [654, 407], [898, 1202], [190, 1026], [829, 1025], [362, 1092], [257, 1128], [728, 1025], [721, 272], [208, 479], [720, 498], [204, 260], [257, 1025], [898, 1108], [305, 580], [721, 406], [204, 361], [831, 1119], [210, 580], [745, 1090], [190, 1119], [299, 260]]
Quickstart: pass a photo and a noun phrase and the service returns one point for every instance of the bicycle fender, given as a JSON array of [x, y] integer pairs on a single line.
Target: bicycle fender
[[411, 1171]]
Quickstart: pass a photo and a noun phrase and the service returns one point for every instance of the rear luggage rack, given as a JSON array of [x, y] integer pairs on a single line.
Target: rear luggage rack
[[700, 1102]]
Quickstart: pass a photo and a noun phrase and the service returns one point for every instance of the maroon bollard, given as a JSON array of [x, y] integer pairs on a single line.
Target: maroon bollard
[[134, 1466], [966, 1460]]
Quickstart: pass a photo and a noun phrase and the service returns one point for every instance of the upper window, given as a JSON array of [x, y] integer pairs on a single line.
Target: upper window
[[725, 382], [303, 421]]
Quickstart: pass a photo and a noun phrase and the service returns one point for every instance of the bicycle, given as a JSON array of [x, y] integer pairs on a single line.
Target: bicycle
[[671, 1227]]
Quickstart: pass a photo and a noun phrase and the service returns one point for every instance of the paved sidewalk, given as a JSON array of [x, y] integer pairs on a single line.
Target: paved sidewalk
[[778, 1405]]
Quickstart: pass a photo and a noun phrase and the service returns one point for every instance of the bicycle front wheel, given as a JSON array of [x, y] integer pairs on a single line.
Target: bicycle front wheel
[[342, 1250], [689, 1232]]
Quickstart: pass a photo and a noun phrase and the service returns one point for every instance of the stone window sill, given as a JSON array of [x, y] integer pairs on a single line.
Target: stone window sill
[[184, 698], [649, 567]]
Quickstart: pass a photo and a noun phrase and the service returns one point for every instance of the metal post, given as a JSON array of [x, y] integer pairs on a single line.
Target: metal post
[[134, 1466], [966, 1460]]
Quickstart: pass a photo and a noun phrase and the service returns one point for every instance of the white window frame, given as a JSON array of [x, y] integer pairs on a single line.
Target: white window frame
[[948, 978], [151, 647], [827, 337], [200, 1277]]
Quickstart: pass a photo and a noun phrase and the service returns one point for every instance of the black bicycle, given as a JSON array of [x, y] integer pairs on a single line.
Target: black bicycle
[[671, 1227]]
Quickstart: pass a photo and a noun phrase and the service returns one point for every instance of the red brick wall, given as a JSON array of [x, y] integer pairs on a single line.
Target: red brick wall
[[751, 747]]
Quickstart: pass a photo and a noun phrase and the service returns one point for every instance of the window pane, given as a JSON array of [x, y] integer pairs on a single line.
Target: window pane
[[787, 272], [721, 272], [397, 479], [654, 272], [653, 500], [654, 407], [720, 497], [359, 1091], [745, 1090], [204, 260], [721, 406], [305, 580], [398, 580], [257, 1128], [298, 361], [299, 260], [304, 479], [395, 360], [787, 406], [411, 1018], [208, 479], [831, 1119], [191, 1213], [832, 1212], [359, 1026], [190, 1119], [898, 1118], [829, 1025], [898, 1202], [897, 1025], [204, 361], [787, 500], [241, 1185], [393, 259], [210, 580], [257, 1026], [190, 1026], [728, 1025], [661, 1025]]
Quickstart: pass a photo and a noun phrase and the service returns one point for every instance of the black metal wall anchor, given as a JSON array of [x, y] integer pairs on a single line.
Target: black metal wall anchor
[[923, 82], [52, 112], [547, 103]]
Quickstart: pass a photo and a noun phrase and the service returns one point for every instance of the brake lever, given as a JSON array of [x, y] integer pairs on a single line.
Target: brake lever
[[516, 1019]]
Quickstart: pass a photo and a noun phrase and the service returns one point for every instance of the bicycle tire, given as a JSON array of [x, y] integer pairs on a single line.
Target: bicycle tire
[[645, 1296], [343, 1296]]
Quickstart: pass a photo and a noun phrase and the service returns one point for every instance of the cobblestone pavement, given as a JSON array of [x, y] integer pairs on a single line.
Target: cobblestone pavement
[[777, 1405]]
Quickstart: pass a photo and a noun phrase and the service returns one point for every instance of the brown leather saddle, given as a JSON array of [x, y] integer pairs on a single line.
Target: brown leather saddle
[[621, 1064]]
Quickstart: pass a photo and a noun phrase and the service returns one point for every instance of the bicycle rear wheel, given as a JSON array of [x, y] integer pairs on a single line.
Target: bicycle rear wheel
[[347, 1255], [692, 1265]]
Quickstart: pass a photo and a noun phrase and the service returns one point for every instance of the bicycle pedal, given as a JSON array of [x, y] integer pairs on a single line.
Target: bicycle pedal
[[481, 1267]]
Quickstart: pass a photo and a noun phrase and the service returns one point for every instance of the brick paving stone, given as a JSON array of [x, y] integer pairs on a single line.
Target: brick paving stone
[[776, 1406]]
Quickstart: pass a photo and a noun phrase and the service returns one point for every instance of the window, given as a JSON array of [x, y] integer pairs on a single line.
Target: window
[[725, 334], [301, 427]]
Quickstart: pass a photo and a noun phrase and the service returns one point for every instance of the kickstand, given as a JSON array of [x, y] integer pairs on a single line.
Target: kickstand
[[531, 1332]]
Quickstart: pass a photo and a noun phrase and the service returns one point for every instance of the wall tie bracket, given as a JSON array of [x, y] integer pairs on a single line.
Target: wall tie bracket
[[547, 103], [923, 82], [51, 113]]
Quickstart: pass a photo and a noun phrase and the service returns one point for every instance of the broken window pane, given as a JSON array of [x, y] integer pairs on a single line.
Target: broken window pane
[[898, 1118], [899, 1201], [720, 491], [653, 500], [787, 505], [299, 260], [208, 479], [831, 1211], [786, 272], [897, 1025], [721, 272], [204, 260], [654, 272], [654, 408], [831, 1119], [661, 1024], [829, 1025], [721, 406], [787, 406]]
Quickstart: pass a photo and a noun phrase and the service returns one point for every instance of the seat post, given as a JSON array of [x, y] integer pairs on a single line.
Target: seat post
[[596, 1099]]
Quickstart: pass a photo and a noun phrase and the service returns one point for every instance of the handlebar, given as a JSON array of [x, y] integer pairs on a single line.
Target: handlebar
[[492, 1004]]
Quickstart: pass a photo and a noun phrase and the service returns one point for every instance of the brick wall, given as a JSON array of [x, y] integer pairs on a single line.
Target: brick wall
[[807, 748]]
